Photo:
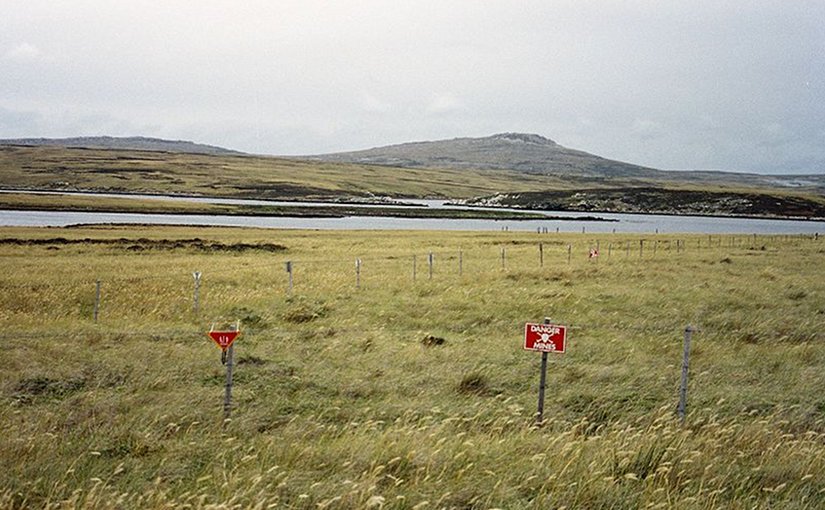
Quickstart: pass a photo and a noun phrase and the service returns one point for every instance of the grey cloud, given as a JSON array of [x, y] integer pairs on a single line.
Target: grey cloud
[[674, 85], [16, 121]]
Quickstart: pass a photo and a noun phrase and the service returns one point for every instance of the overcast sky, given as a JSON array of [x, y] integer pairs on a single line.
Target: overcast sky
[[694, 84]]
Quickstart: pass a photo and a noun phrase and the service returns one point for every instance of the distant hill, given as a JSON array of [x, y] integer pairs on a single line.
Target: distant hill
[[537, 155], [123, 143], [528, 153]]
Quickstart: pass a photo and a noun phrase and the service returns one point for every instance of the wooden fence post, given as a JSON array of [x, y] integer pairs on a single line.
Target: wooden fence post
[[197, 297], [97, 299], [289, 270], [682, 409]]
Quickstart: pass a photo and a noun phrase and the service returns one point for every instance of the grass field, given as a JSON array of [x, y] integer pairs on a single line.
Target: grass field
[[408, 393]]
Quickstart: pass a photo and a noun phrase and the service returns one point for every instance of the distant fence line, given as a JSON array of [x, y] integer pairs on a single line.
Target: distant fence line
[[511, 256], [593, 249], [592, 253]]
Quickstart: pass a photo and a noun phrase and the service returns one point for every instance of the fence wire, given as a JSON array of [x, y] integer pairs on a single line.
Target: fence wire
[[174, 292], [197, 333], [550, 251]]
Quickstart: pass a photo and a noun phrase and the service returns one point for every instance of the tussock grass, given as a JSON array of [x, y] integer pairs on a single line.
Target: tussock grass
[[341, 402]]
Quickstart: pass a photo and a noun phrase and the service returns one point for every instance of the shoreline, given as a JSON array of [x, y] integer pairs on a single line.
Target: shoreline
[[660, 213], [300, 209], [382, 207]]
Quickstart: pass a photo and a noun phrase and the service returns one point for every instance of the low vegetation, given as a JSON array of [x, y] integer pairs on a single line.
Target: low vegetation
[[403, 393], [117, 204]]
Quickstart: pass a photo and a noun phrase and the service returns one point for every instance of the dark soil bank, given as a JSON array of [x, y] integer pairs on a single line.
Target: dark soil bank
[[664, 201]]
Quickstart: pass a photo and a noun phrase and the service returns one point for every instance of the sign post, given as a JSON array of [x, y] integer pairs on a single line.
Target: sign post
[[542, 386], [224, 340], [545, 338]]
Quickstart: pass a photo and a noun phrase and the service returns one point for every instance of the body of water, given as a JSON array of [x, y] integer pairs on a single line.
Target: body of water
[[627, 223], [624, 223]]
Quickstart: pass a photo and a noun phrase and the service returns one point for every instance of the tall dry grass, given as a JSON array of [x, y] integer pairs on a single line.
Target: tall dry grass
[[341, 402]]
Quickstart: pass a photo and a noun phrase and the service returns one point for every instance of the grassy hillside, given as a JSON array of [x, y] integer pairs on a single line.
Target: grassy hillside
[[54, 168], [408, 394], [239, 176]]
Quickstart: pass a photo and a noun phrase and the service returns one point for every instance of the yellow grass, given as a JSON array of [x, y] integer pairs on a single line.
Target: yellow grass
[[339, 404], [247, 176]]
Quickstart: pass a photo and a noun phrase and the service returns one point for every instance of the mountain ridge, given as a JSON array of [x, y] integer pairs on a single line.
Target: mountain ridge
[[537, 155], [528, 153], [124, 143]]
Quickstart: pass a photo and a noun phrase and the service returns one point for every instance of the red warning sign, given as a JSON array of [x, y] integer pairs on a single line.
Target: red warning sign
[[545, 337], [224, 338]]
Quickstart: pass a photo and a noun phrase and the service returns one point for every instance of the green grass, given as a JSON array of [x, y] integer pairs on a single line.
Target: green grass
[[342, 400]]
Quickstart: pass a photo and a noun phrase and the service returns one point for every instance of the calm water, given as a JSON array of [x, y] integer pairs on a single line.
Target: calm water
[[629, 223]]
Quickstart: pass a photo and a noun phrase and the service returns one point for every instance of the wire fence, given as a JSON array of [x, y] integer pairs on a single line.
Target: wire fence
[[175, 293], [182, 296]]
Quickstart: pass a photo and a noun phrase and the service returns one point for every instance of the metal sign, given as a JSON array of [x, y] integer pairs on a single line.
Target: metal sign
[[545, 337], [224, 338]]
